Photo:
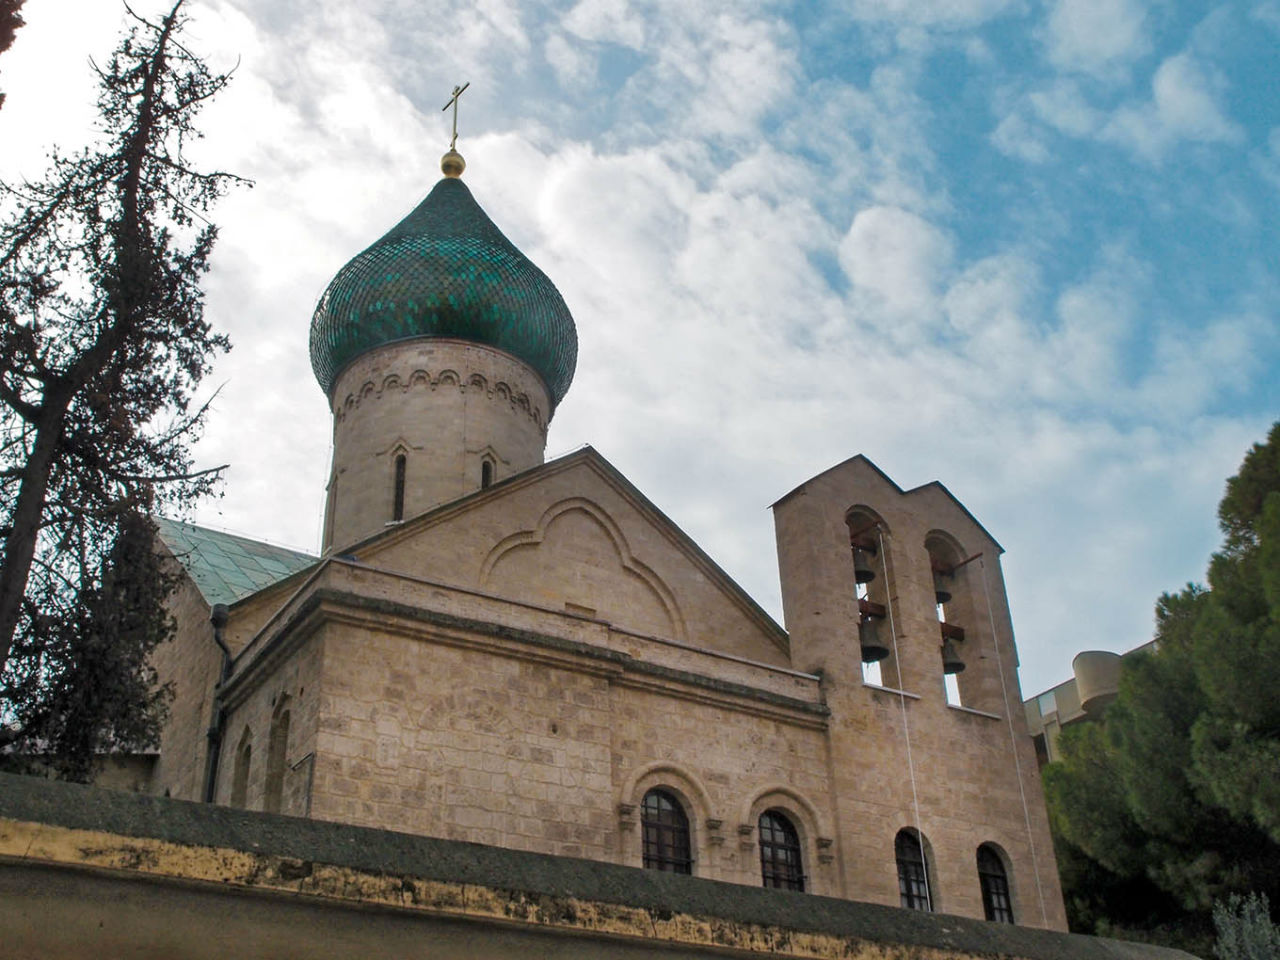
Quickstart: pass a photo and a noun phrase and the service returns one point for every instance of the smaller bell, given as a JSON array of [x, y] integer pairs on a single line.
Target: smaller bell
[[942, 586], [951, 662], [873, 651], [863, 572]]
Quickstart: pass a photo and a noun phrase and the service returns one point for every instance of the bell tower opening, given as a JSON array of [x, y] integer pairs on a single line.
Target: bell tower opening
[[867, 542]]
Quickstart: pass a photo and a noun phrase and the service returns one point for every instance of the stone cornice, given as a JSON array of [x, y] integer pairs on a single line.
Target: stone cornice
[[328, 604]]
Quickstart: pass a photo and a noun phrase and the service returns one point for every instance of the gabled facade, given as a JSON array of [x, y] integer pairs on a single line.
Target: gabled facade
[[532, 656]]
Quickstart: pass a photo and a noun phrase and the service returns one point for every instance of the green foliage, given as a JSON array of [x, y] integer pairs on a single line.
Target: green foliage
[[1245, 930], [98, 692], [103, 344], [1179, 785]]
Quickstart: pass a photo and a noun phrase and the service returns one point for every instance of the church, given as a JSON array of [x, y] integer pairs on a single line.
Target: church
[[530, 655]]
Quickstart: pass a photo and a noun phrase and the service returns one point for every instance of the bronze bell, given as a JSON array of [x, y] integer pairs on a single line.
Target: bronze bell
[[873, 651], [951, 662], [941, 585], [862, 569]]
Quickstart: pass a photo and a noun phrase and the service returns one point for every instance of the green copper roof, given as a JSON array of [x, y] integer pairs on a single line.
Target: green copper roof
[[445, 271], [224, 567]]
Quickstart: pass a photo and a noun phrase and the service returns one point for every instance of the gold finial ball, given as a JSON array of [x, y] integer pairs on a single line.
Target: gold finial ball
[[452, 164]]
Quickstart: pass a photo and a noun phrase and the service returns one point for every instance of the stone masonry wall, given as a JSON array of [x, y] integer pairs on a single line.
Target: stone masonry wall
[[447, 406], [965, 775]]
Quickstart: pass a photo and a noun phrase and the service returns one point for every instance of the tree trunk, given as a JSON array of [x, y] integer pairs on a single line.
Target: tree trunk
[[20, 545]]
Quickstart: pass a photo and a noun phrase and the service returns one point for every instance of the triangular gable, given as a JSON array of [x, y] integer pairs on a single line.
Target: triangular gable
[[575, 535], [863, 460]]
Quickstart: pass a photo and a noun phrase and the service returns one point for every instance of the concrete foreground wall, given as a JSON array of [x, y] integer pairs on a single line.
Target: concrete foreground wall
[[86, 872]]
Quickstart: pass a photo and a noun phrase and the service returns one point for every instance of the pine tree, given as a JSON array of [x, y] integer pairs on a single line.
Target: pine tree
[[1179, 785], [103, 344]]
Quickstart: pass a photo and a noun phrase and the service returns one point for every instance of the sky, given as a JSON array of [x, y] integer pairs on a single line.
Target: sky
[[1025, 248]]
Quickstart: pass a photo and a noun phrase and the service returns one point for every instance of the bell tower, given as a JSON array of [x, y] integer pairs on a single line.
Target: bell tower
[[443, 351]]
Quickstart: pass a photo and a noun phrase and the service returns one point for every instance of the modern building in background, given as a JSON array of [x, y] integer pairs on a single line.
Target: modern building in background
[[1094, 684]]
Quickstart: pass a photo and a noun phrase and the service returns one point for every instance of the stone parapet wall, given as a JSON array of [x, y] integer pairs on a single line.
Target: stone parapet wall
[[87, 873]]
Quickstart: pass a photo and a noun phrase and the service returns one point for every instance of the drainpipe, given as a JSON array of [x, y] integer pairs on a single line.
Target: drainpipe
[[217, 724]]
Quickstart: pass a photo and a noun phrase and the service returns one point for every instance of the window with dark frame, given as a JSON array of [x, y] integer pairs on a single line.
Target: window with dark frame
[[665, 830], [913, 883], [780, 864], [397, 508], [996, 902], [486, 474]]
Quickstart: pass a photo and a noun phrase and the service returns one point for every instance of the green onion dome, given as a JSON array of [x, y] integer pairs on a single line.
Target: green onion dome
[[445, 270]]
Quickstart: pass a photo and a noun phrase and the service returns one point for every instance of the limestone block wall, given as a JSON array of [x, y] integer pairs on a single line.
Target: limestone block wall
[[726, 764], [447, 406], [573, 537], [962, 774], [268, 748], [191, 663], [537, 752], [463, 743]]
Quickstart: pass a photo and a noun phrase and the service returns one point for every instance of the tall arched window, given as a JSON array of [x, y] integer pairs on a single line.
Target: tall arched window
[[996, 902], [913, 876], [240, 775], [277, 758], [397, 499], [486, 473], [780, 852], [665, 830]]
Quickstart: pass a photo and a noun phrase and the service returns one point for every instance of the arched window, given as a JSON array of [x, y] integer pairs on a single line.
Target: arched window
[[665, 831], [397, 500], [277, 758], [780, 852], [913, 877], [486, 473], [996, 902], [240, 775]]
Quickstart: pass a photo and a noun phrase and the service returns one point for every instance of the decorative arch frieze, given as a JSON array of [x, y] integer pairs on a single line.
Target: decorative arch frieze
[[630, 564], [499, 391]]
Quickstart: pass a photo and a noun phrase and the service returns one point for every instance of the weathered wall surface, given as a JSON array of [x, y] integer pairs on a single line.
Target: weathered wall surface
[[967, 774], [574, 537], [86, 873], [191, 663], [446, 405], [430, 692]]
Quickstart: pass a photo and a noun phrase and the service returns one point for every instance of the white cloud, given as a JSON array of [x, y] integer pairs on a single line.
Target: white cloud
[[606, 21], [721, 74], [939, 13], [574, 66], [897, 262], [1063, 106], [1184, 106], [1095, 36], [696, 228], [1015, 136]]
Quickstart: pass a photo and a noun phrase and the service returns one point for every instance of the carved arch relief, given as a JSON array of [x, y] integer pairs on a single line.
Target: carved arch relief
[[577, 554], [679, 781], [395, 383]]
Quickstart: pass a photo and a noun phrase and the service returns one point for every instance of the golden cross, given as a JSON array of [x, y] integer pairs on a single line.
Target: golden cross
[[453, 102]]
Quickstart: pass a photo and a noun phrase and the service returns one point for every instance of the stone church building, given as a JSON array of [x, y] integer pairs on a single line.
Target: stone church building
[[530, 655]]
